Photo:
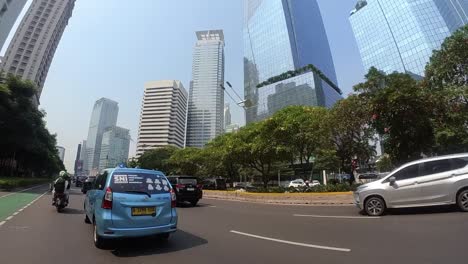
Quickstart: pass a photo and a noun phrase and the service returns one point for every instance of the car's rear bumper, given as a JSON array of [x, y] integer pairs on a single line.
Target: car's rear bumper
[[112, 232], [189, 197]]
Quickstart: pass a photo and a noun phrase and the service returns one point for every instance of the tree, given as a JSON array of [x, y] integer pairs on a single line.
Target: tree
[[401, 112], [447, 84], [301, 131], [257, 149], [221, 150], [186, 161], [157, 159], [351, 133]]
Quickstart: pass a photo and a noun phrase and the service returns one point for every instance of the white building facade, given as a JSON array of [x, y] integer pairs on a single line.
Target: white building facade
[[163, 115], [9, 12]]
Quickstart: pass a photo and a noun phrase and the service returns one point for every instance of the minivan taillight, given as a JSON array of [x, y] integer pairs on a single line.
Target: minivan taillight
[[107, 201], [173, 199]]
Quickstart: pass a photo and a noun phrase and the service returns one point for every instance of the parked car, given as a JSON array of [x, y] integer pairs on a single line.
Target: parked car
[[245, 186], [301, 183], [187, 189], [214, 184], [439, 180], [88, 184], [126, 202]]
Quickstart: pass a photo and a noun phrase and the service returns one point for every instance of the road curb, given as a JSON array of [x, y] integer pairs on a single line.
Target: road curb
[[280, 202]]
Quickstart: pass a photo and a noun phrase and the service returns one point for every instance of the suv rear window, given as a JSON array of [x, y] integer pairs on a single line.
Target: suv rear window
[[192, 181], [139, 182]]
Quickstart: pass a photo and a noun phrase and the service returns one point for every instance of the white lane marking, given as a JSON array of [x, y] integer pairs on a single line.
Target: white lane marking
[[212, 206], [17, 212], [338, 216], [34, 187], [291, 242]]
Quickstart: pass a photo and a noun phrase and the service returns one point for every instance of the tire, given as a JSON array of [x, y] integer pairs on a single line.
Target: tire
[[194, 203], [86, 220], [374, 206], [462, 200], [99, 242], [59, 209]]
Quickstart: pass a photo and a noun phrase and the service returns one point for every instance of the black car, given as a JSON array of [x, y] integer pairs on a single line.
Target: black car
[[80, 180], [187, 189], [215, 184], [88, 184]]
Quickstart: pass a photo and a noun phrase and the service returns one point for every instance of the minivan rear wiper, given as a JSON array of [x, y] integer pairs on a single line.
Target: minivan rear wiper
[[139, 192]]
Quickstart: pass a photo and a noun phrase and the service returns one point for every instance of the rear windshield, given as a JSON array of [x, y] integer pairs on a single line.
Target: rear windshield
[[139, 182], [192, 181]]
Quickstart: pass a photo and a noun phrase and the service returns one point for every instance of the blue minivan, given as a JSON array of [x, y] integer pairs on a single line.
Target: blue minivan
[[126, 202]]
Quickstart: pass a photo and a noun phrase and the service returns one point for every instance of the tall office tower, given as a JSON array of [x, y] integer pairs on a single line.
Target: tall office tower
[[281, 36], [227, 115], [114, 147], [9, 12], [84, 159], [78, 163], [104, 115], [33, 46], [206, 97], [400, 35], [163, 115]]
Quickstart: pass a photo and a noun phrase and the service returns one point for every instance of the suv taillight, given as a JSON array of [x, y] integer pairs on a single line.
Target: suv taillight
[[200, 186], [180, 186], [173, 199], [107, 201]]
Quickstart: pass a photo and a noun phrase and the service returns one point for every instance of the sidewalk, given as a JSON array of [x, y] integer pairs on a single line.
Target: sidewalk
[[337, 198]]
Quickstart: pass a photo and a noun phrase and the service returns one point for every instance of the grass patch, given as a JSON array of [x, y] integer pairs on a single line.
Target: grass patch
[[12, 183]]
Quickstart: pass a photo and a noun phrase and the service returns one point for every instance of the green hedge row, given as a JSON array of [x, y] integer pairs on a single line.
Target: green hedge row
[[12, 183], [341, 187]]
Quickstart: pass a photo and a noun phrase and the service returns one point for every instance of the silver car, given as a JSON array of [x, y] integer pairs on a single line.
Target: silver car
[[439, 180]]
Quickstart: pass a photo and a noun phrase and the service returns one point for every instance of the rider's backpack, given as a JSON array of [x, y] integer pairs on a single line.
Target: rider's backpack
[[59, 185]]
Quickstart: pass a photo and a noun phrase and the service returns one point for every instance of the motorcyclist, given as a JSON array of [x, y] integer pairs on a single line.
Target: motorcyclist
[[61, 185]]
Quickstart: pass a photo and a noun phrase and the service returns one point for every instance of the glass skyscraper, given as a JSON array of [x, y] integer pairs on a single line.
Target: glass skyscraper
[[279, 36], [114, 147], [400, 35], [206, 97], [104, 115]]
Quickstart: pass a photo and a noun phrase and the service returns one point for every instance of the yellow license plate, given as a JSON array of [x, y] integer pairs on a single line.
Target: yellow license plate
[[139, 211]]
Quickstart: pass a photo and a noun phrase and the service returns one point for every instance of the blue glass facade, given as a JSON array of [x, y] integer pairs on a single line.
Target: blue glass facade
[[400, 35], [279, 36]]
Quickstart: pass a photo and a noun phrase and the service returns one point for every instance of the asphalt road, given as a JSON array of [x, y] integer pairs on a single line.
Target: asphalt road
[[236, 232]]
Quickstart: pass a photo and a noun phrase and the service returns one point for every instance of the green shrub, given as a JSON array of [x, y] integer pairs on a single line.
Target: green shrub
[[12, 183]]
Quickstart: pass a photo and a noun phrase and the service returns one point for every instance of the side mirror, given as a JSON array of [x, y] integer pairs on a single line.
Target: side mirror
[[392, 180]]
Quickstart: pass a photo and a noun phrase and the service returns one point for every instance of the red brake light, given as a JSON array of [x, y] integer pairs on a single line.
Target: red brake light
[[200, 186], [107, 201], [180, 186], [173, 199]]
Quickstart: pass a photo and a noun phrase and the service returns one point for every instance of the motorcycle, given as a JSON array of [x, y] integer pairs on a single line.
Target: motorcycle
[[60, 201]]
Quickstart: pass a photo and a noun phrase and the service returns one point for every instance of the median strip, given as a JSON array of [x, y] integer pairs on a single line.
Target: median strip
[[338, 216], [291, 242]]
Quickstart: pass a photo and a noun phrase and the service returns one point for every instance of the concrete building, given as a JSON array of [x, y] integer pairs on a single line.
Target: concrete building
[[400, 35], [104, 116], [9, 12], [114, 147], [232, 128], [227, 115], [33, 46], [61, 152], [206, 97], [163, 115], [281, 36]]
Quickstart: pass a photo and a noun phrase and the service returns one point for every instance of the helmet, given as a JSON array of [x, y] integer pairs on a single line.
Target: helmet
[[63, 174]]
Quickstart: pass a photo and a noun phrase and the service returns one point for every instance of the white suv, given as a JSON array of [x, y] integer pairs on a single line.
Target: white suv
[[439, 180]]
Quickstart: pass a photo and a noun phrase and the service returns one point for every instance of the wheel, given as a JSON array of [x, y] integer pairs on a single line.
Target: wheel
[[194, 202], [59, 209], [374, 206], [99, 242], [86, 220], [462, 200]]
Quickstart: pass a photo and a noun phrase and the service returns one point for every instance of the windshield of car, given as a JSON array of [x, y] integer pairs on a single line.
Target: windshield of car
[[139, 182], [192, 181]]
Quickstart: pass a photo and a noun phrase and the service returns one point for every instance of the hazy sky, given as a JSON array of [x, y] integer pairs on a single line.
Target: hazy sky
[[110, 48]]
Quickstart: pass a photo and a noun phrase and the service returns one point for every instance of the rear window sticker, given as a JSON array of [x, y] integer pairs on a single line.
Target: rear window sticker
[[150, 187], [149, 180], [157, 181], [164, 182], [120, 179], [166, 188], [158, 187]]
